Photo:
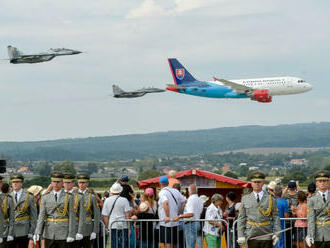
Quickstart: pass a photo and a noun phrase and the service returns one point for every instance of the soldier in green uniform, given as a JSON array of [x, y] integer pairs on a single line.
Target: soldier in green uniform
[[92, 220], [25, 213], [318, 231], [7, 210], [57, 220], [258, 216], [68, 182]]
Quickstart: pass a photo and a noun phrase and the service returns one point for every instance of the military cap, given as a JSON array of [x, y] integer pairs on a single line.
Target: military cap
[[257, 176], [68, 177], [17, 177], [83, 178], [56, 176], [322, 175]]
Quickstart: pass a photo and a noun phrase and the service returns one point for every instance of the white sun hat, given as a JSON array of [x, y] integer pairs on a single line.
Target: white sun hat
[[204, 198], [116, 188]]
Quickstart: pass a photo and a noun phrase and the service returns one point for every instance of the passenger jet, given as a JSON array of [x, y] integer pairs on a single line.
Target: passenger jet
[[257, 89]]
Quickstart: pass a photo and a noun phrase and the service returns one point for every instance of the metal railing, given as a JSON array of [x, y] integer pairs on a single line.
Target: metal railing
[[293, 237], [153, 234]]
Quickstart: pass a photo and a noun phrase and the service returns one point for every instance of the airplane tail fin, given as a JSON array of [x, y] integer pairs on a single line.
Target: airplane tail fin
[[116, 90], [180, 74], [13, 52]]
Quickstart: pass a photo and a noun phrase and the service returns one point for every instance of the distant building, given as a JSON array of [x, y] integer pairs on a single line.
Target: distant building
[[167, 170], [253, 168], [225, 168], [23, 169], [301, 161]]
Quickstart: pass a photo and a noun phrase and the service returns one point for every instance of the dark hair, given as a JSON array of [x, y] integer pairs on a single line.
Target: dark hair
[[138, 195], [5, 188], [311, 188], [231, 195], [177, 186], [301, 196], [292, 184], [278, 191]]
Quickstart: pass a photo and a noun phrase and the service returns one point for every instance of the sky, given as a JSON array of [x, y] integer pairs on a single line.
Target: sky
[[128, 43]]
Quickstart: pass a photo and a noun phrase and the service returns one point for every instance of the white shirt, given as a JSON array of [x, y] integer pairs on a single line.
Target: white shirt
[[119, 211], [212, 213], [19, 193], [174, 207], [326, 194], [261, 194], [83, 192], [58, 193], [194, 206]]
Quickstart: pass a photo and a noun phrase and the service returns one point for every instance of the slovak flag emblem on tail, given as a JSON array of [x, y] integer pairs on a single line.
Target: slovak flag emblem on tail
[[180, 73]]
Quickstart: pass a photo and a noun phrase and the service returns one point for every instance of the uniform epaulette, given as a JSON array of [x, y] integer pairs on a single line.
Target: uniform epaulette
[[46, 193]]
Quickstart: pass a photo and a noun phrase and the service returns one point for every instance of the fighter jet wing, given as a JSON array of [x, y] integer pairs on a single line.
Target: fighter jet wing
[[35, 56], [239, 88]]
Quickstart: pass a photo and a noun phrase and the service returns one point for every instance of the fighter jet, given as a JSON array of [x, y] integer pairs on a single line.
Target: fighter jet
[[17, 57], [119, 93]]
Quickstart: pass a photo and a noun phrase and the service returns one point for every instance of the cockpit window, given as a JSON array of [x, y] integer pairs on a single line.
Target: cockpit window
[[301, 81]]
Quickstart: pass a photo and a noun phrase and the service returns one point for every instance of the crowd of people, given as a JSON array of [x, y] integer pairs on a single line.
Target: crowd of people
[[64, 215]]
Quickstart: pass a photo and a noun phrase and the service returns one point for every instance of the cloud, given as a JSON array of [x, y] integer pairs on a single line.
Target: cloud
[[186, 5], [148, 8]]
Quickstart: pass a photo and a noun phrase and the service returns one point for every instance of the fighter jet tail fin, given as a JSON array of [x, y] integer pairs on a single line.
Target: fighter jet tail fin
[[13, 52], [180, 74], [116, 90]]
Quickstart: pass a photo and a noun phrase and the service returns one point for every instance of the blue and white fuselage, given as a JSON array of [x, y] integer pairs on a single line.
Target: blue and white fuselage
[[259, 89]]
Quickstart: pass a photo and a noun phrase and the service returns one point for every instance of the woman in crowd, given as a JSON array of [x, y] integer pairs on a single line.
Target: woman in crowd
[[36, 191], [230, 212], [149, 197], [311, 189], [213, 229], [145, 239], [300, 225]]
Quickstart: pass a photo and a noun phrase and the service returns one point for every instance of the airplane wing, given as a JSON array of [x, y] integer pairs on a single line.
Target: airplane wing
[[239, 88], [36, 56]]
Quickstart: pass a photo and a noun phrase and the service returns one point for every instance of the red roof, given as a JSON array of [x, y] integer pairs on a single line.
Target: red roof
[[200, 173]]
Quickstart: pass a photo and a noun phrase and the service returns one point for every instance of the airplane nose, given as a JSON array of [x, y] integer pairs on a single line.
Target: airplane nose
[[76, 52], [308, 87]]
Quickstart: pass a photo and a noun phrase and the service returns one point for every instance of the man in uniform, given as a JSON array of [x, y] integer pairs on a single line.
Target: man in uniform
[[25, 213], [7, 209], [68, 182], [57, 220], [92, 212], [319, 213], [258, 216]]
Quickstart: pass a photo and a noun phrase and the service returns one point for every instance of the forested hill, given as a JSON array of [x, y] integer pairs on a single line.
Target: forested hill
[[171, 143]]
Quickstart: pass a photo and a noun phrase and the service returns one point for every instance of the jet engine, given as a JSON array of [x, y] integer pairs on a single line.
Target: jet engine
[[261, 96]]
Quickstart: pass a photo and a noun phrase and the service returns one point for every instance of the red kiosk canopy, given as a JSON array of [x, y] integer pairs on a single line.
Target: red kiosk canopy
[[194, 172]]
